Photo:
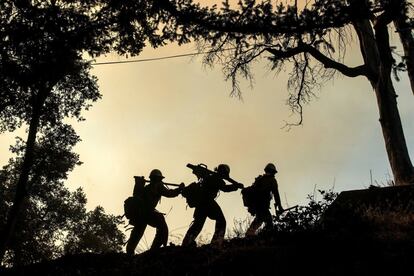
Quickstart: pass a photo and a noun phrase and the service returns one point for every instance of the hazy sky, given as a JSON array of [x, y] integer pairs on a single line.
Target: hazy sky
[[165, 114]]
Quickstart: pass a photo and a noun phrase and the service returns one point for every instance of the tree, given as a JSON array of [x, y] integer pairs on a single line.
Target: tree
[[53, 218], [313, 40], [44, 76], [97, 232]]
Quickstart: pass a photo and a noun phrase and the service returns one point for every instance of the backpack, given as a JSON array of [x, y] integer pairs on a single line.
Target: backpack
[[193, 194], [256, 196], [133, 205]]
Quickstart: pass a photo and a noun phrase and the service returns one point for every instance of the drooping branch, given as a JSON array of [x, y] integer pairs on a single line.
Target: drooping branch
[[295, 102], [241, 65]]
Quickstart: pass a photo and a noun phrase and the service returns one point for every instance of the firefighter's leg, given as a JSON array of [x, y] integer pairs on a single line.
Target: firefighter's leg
[[256, 223], [157, 220], [195, 227], [136, 235], [267, 219], [216, 214]]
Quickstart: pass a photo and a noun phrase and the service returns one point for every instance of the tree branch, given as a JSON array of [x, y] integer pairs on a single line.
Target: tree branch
[[326, 61], [330, 63]]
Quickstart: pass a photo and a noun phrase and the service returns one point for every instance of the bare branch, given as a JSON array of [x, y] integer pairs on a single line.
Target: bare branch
[[241, 65], [326, 61], [298, 101], [285, 54], [301, 82], [330, 63]]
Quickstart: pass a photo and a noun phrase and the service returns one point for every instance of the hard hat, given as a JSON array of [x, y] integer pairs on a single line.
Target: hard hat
[[270, 168], [223, 169], [156, 173]]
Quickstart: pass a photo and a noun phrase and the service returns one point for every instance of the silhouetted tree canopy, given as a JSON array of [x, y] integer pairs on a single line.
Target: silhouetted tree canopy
[[96, 232], [45, 52], [41, 59], [54, 219]]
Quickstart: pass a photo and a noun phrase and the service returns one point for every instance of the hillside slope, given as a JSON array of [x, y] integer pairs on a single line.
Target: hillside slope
[[310, 253], [364, 232]]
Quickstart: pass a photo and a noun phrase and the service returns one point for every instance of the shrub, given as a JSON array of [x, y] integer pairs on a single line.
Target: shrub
[[305, 218]]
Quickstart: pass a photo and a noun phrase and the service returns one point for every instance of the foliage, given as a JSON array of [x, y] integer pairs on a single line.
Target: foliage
[[305, 218], [96, 232], [299, 219], [41, 59], [382, 220], [45, 78], [53, 216]]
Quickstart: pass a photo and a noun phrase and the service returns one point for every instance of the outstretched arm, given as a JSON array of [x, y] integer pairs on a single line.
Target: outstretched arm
[[171, 192], [276, 196], [230, 188]]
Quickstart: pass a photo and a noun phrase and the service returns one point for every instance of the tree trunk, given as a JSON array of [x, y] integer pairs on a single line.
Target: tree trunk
[[407, 40], [376, 52], [390, 120], [393, 133], [21, 189]]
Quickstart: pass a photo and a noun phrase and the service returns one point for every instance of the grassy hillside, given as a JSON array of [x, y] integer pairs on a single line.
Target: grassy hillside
[[269, 253], [365, 232]]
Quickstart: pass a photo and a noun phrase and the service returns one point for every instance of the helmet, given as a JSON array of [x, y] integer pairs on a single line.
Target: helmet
[[155, 173], [223, 169], [270, 168]]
